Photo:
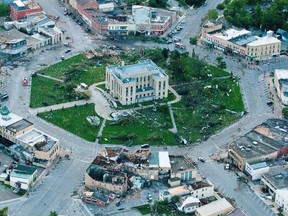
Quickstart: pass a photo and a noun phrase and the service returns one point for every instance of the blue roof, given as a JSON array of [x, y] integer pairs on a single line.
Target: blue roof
[[259, 165], [140, 67], [282, 32]]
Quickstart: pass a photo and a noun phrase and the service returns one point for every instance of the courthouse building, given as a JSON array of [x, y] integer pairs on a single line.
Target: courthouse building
[[137, 83]]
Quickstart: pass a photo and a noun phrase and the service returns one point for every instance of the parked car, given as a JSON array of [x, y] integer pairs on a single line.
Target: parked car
[[67, 51], [201, 159], [145, 146], [62, 58], [227, 166], [4, 96]]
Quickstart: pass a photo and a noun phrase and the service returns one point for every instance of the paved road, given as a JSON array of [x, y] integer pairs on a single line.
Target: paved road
[[55, 191], [194, 20], [226, 182]]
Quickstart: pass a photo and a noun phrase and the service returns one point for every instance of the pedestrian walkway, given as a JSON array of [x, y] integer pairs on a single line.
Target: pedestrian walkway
[[59, 106], [49, 77]]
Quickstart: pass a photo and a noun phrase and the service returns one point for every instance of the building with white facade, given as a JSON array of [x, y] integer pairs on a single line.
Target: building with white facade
[[23, 177], [198, 190], [281, 84], [243, 43], [264, 47], [256, 170], [188, 204], [275, 180], [143, 20], [43, 147], [282, 199], [136, 83]]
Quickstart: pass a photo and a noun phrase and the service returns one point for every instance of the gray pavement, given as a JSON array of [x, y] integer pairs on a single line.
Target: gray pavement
[[227, 184]]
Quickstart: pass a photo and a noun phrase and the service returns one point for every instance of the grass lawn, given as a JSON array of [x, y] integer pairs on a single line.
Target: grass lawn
[[76, 70], [144, 209], [146, 126], [199, 117], [46, 92], [57, 70], [74, 120]]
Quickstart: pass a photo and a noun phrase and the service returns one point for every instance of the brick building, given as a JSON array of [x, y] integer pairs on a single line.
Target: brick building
[[21, 9]]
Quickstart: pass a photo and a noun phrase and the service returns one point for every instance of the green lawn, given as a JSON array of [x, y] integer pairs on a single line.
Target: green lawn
[[74, 120], [46, 92], [204, 112], [144, 209], [57, 70], [76, 70], [147, 126]]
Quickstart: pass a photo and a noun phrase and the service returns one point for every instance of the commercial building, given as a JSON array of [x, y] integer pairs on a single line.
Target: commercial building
[[176, 191], [265, 142], [42, 149], [23, 177], [97, 177], [210, 28], [95, 198], [281, 84], [188, 204], [152, 21], [182, 168], [105, 19], [13, 44], [137, 83], [198, 190], [275, 180], [256, 170], [264, 47], [243, 43], [282, 199], [218, 207], [21, 9]]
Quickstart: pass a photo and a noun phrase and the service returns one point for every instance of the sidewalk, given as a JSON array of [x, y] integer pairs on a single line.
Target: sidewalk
[[58, 106]]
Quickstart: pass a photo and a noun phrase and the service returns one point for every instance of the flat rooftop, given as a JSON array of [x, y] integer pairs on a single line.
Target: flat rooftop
[[11, 36], [264, 40], [11, 118], [214, 207], [164, 160], [232, 33], [178, 190], [243, 40], [281, 74], [19, 125], [38, 139], [179, 163], [199, 185], [250, 148], [50, 31], [154, 159], [283, 193], [278, 178], [269, 137], [128, 73], [259, 165]]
